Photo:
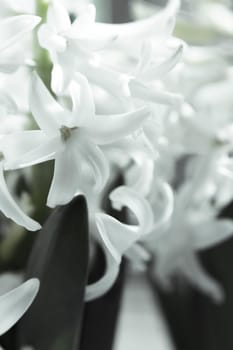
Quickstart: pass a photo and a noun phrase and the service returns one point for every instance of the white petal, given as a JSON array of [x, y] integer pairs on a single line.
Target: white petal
[[15, 303], [117, 237], [7, 103], [66, 178], [107, 129], [63, 72], [114, 82], [146, 55], [11, 210], [16, 144], [103, 285], [140, 176], [125, 196], [20, 6], [85, 19], [157, 71], [11, 59], [85, 34], [160, 25], [58, 79], [195, 273], [97, 163], [93, 42], [166, 196], [47, 112], [151, 94], [139, 256], [51, 41], [58, 17], [83, 102], [217, 15], [13, 28], [34, 155], [225, 134], [8, 68], [212, 232], [120, 151]]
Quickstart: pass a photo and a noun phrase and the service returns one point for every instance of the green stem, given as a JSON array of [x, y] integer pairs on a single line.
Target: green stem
[[43, 62], [42, 173]]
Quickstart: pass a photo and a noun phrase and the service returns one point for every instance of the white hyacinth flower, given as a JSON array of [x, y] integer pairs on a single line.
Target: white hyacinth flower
[[118, 238], [72, 47], [67, 41], [59, 34], [72, 138], [188, 232]]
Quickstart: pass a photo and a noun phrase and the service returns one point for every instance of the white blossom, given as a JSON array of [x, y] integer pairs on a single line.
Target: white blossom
[[71, 138], [117, 238]]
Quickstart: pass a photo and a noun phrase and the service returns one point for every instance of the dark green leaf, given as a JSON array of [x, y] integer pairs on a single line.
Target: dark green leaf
[[60, 260]]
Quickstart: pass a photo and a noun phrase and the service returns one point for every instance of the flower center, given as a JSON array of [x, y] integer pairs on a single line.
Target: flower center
[[66, 132]]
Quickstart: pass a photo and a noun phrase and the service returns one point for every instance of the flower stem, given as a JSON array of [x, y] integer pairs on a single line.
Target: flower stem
[[43, 62], [41, 173]]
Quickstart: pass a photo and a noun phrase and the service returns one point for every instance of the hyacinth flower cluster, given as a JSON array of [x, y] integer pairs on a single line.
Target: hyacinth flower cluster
[[102, 99]]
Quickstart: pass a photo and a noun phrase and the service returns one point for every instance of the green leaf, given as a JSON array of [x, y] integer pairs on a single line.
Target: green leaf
[[60, 260]]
